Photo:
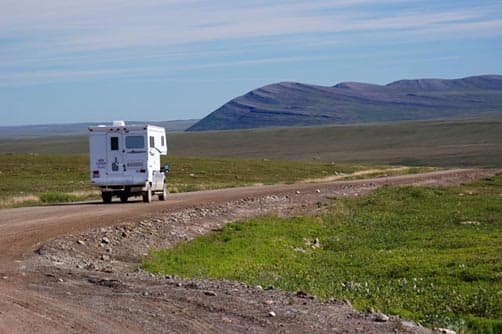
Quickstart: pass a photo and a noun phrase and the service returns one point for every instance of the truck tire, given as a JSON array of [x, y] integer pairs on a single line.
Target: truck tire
[[106, 196], [124, 197], [147, 195], [163, 194]]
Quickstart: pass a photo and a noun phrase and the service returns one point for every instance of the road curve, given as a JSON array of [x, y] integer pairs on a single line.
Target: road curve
[[22, 230]]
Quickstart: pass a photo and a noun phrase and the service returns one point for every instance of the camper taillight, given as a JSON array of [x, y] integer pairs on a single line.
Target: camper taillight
[[95, 174]]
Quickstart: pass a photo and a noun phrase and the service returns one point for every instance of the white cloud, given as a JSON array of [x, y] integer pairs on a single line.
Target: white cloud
[[90, 33], [131, 27]]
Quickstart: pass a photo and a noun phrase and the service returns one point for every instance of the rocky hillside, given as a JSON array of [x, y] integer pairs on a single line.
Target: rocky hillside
[[297, 104]]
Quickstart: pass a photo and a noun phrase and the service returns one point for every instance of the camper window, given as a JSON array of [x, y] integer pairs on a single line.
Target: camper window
[[114, 143], [162, 141], [135, 142], [152, 141]]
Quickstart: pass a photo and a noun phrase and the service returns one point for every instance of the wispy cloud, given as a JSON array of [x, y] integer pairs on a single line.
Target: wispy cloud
[[52, 76], [55, 76], [59, 39], [173, 25]]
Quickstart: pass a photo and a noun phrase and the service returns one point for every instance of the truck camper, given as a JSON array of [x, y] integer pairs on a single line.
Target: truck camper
[[125, 161]]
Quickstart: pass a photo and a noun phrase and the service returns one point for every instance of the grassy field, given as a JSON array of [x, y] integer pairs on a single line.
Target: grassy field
[[29, 179], [434, 143], [474, 142], [430, 254]]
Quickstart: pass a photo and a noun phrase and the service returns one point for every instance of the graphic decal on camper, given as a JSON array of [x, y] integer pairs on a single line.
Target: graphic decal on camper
[[101, 164], [115, 165]]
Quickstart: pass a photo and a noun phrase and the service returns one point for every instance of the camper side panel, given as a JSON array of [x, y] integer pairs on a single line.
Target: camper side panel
[[97, 155], [156, 147]]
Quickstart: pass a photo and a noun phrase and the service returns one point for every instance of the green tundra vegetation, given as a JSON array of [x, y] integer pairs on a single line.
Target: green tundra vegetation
[[432, 254], [446, 143], [34, 179], [30, 179]]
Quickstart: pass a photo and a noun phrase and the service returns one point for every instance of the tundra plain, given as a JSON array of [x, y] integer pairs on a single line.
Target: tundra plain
[[450, 143], [41, 179], [78, 266]]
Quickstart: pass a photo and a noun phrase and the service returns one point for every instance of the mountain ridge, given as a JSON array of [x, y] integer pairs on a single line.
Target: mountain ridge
[[297, 104]]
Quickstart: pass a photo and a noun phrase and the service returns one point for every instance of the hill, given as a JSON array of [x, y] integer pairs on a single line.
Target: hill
[[297, 104]]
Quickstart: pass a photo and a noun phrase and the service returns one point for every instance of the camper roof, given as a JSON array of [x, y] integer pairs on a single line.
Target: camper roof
[[116, 126]]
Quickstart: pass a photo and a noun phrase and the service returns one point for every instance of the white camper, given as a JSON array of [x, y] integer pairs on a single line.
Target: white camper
[[125, 160]]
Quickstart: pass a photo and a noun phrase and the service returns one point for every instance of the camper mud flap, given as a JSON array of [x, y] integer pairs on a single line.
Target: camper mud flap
[[158, 180]]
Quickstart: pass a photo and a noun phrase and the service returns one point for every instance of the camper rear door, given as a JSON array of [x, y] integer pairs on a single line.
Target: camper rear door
[[115, 148]]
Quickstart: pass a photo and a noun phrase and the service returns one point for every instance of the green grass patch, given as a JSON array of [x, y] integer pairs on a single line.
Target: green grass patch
[[27, 179], [189, 174], [431, 254], [34, 179], [57, 197]]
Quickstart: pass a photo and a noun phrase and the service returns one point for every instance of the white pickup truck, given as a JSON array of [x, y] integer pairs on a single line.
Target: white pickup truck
[[125, 161]]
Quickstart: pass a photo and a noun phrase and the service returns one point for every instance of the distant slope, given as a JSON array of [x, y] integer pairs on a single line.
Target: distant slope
[[44, 130], [296, 104]]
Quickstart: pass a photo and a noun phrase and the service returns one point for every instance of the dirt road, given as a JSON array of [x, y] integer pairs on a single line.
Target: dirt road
[[58, 276]]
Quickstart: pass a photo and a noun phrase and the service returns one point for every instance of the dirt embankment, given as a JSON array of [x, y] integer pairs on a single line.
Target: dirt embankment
[[74, 268]]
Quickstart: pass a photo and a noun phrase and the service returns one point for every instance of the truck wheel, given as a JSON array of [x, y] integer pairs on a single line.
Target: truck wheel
[[124, 197], [163, 195], [147, 195], [106, 196]]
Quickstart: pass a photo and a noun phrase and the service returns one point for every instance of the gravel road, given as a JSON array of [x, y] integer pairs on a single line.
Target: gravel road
[[74, 268]]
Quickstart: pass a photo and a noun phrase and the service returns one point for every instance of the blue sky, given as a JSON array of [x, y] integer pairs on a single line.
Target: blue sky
[[97, 60]]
